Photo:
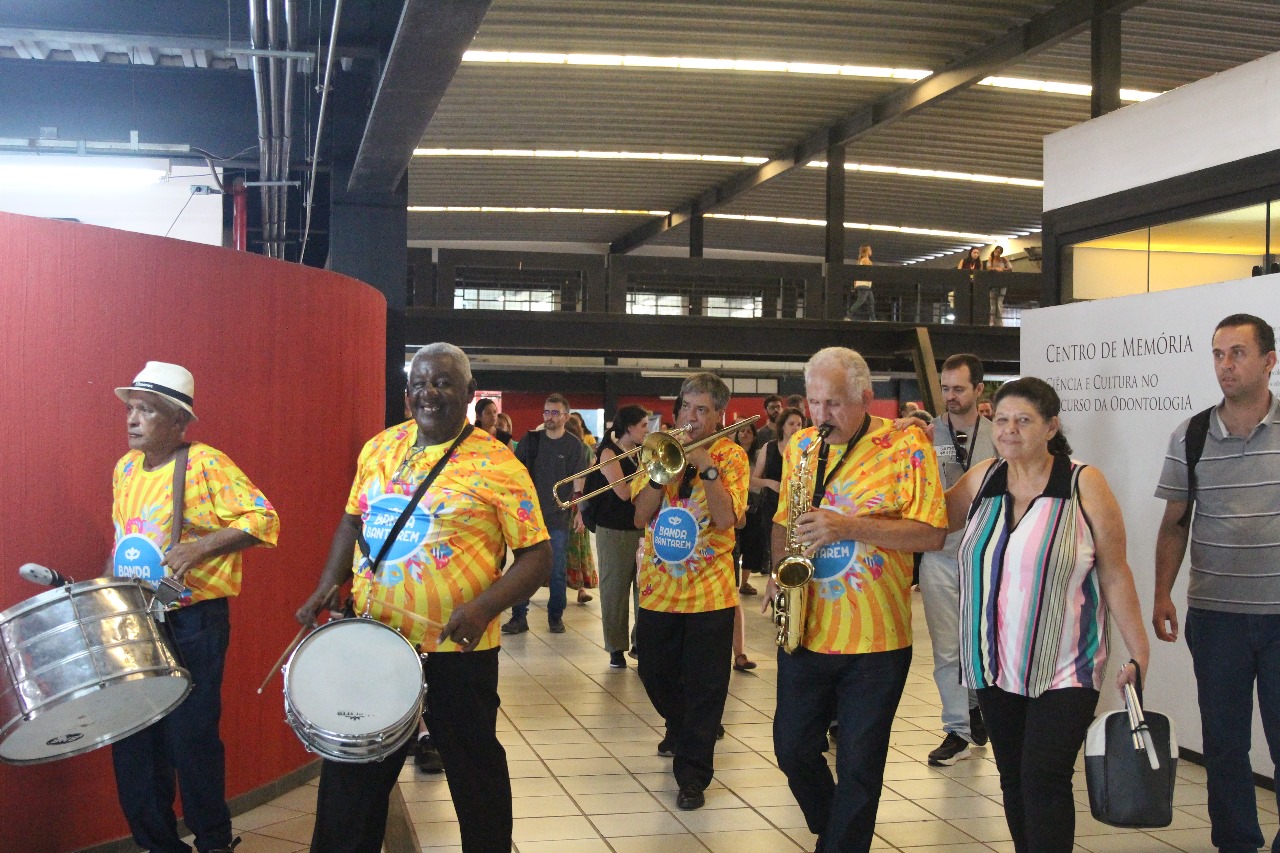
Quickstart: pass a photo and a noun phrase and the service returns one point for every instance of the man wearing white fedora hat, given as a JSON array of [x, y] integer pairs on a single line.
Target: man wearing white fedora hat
[[182, 511]]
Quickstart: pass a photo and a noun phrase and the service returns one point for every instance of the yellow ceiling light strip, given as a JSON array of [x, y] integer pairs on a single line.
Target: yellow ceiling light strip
[[760, 66], [781, 220], [717, 158]]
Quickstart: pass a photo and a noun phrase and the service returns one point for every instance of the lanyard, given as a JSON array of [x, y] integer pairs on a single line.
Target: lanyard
[[967, 460], [820, 482]]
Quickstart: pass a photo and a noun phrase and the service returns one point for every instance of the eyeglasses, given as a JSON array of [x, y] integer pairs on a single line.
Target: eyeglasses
[[546, 413]]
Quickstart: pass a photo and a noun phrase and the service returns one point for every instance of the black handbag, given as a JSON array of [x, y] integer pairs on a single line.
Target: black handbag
[[1130, 765]]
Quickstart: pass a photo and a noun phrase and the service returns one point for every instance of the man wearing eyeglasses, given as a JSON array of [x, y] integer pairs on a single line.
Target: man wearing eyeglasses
[[961, 437], [551, 455]]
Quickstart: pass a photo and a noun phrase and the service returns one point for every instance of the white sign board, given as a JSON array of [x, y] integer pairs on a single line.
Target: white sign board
[[1128, 371]]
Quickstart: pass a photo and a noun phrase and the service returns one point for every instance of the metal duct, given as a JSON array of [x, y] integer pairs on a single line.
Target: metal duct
[[257, 40], [275, 35], [291, 12]]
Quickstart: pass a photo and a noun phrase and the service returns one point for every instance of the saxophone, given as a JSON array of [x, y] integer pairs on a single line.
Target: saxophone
[[794, 570]]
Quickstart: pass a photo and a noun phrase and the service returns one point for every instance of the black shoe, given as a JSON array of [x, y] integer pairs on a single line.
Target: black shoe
[[555, 626], [952, 749], [617, 660], [690, 798], [720, 733], [666, 748], [427, 758], [516, 625], [235, 842], [977, 727], [633, 654]]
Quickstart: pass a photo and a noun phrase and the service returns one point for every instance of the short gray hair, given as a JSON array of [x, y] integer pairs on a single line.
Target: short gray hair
[[444, 350], [850, 363], [707, 383]]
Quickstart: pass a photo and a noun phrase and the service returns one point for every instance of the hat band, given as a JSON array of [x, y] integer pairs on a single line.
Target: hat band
[[163, 389]]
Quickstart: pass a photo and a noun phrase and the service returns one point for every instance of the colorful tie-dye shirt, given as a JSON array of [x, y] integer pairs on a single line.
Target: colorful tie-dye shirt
[[860, 597], [687, 565], [218, 495], [453, 546]]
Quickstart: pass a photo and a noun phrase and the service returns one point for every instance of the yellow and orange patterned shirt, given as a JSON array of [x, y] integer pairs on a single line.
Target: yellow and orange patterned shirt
[[860, 597], [687, 565], [218, 495], [453, 546]]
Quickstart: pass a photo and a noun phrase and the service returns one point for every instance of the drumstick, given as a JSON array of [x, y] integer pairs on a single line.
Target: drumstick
[[297, 639], [430, 623]]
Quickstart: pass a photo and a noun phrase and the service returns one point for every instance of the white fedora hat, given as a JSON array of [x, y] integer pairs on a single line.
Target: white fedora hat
[[171, 381]]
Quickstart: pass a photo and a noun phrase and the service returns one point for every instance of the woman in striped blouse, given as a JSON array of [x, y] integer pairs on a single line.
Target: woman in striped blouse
[[1041, 564]]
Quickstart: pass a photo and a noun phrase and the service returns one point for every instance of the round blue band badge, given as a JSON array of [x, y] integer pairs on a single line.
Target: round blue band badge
[[834, 559], [137, 556], [382, 516], [675, 534]]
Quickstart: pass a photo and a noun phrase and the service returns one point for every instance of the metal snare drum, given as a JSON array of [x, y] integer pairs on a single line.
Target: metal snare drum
[[83, 666], [353, 690]]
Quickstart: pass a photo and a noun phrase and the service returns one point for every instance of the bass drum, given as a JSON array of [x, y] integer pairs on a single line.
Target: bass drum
[[84, 666], [353, 690]]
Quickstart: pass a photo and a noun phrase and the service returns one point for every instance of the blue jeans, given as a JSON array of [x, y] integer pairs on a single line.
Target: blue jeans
[[185, 743], [940, 589], [861, 693], [1229, 651], [559, 570]]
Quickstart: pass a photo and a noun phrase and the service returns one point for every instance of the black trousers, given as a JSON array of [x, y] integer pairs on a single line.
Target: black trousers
[[182, 752], [685, 663], [1036, 742], [462, 715]]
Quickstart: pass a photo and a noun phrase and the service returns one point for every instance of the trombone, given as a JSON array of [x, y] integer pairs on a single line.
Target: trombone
[[662, 457]]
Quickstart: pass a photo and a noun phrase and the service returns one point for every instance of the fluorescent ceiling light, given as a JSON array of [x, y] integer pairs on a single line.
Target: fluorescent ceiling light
[[782, 220], [66, 174], [585, 155], [694, 63], [428, 208], [761, 66], [718, 158], [1058, 88]]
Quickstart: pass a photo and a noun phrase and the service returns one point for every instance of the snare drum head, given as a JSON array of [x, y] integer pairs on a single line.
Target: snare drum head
[[353, 676], [103, 714]]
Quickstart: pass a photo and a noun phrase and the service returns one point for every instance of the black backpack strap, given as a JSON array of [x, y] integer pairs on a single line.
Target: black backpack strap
[[1197, 433]]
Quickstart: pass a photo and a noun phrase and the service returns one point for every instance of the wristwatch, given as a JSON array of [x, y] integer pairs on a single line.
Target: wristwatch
[[712, 473]]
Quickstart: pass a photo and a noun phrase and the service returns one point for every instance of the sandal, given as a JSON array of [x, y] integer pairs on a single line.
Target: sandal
[[741, 663], [584, 596], [747, 589]]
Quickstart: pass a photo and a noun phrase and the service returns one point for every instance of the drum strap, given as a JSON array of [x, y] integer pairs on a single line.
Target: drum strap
[[179, 495], [413, 503]]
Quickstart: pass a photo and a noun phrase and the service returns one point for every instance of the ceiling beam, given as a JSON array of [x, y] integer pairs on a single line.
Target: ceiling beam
[[424, 56], [1063, 21]]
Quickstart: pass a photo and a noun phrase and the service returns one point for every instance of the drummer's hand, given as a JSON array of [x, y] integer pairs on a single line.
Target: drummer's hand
[[183, 557], [1129, 675], [466, 626], [310, 609]]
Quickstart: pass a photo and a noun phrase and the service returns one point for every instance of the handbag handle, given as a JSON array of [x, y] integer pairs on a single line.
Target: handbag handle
[[1137, 668]]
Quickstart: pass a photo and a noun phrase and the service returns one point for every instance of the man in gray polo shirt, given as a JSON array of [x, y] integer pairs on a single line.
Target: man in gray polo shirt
[[1233, 594], [960, 438]]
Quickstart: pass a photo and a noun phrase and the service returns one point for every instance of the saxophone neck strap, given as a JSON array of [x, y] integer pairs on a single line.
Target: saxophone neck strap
[[820, 482]]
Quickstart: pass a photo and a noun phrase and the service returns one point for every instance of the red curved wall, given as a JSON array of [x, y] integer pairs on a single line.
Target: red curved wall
[[289, 368]]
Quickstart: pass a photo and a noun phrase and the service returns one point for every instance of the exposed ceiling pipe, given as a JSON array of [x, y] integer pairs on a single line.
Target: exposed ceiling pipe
[[275, 36], [257, 40], [324, 103], [291, 12]]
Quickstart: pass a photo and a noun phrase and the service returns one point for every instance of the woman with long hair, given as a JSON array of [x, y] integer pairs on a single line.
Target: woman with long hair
[[617, 537], [1042, 562], [486, 415], [995, 295]]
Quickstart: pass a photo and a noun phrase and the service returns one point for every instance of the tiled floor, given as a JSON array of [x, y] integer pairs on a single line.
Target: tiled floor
[[581, 741]]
